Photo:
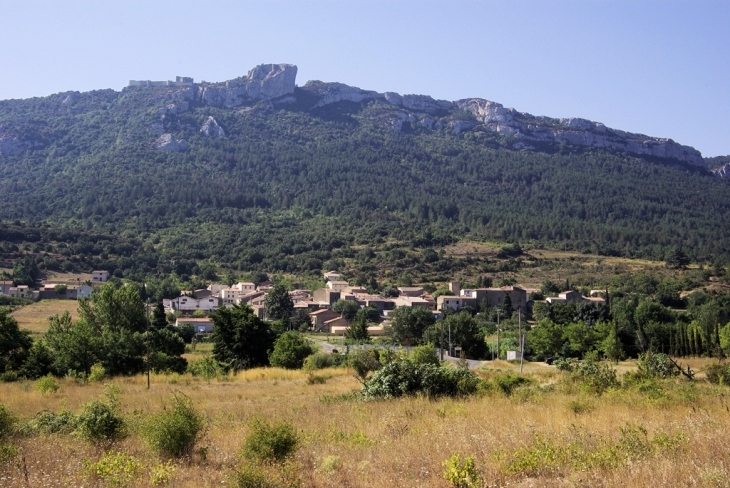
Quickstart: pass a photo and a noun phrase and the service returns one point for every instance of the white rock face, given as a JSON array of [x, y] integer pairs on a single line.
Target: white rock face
[[263, 82], [722, 172], [211, 129], [418, 103], [574, 131], [168, 143], [175, 108], [339, 92], [68, 101], [459, 126]]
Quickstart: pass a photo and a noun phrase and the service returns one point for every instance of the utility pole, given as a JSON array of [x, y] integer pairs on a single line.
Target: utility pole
[[499, 347], [522, 340], [147, 307], [441, 342], [450, 349]]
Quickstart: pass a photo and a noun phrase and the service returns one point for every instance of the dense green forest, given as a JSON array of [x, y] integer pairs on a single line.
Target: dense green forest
[[291, 189]]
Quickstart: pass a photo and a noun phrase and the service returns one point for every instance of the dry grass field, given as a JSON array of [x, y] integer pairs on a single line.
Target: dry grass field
[[661, 433], [34, 317]]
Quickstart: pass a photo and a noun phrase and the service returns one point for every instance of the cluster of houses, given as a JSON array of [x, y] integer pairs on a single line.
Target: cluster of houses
[[319, 303], [54, 291]]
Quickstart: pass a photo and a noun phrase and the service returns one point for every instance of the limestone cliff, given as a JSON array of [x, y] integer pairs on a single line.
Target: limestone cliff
[[263, 82]]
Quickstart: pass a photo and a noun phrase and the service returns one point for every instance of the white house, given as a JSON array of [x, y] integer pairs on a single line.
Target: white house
[[332, 276], [337, 285], [245, 287], [201, 325], [99, 276], [190, 304], [84, 291]]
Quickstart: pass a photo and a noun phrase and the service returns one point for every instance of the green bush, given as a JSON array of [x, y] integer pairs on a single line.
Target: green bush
[[101, 423], [98, 373], [175, 430], [592, 376], [656, 365], [364, 362], [47, 422], [7, 422], [403, 377], [114, 469], [461, 474], [318, 360], [508, 383], [47, 385], [718, 373], [425, 354], [290, 351], [269, 442], [250, 475]]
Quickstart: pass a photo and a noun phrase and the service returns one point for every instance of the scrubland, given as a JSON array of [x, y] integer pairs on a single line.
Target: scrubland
[[548, 433]]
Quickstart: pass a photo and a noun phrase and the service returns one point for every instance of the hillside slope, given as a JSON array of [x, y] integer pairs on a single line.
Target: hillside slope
[[260, 174]]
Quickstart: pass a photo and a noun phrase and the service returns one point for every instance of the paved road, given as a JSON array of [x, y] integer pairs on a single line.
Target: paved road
[[327, 347]]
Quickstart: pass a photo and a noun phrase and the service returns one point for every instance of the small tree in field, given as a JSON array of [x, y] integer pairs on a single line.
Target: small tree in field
[[290, 351]]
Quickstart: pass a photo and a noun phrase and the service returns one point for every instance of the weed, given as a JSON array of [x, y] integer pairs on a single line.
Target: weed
[[329, 465], [314, 379], [461, 474], [114, 469], [267, 476], [163, 473], [508, 383], [580, 406], [176, 429], [269, 442]]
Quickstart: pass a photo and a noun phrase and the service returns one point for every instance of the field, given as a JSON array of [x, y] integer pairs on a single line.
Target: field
[[658, 433], [34, 317]]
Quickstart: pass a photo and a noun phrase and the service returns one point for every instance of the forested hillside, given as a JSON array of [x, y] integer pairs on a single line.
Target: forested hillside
[[289, 184]]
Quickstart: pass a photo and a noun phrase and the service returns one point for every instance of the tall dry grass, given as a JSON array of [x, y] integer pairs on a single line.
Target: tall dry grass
[[403, 442]]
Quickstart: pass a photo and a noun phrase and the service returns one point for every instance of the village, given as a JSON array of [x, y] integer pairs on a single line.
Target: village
[[192, 307]]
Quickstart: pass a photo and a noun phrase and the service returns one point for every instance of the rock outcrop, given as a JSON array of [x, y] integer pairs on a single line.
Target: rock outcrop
[[211, 129], [264, 82], [338, 92], [168, 143], [574, 131], [722, 172]]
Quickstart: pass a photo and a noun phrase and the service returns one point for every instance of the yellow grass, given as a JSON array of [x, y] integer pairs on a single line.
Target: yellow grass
[[34, 317], [401, 442]]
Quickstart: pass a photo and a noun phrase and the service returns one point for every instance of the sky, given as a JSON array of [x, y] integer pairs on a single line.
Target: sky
[[660, 68]]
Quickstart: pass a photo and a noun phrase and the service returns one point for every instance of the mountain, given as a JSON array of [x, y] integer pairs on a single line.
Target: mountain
[[257, 173]]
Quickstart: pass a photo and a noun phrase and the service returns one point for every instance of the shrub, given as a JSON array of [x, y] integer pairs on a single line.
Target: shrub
[[162, 473], [48, 422], [318, 360], [290, 350], [508, 383], [176, 429], [114, 468], [101, 423], [47, 385], [270, 442], [425, 354], [7, 422], [406, 378], [718, 373], [364, 362], [592, 376], [98, 373], [461, 474], [207, 368], [656, 365], [257, 476]]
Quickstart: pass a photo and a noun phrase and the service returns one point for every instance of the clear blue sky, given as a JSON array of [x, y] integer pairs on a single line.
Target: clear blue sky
[[660, 68]]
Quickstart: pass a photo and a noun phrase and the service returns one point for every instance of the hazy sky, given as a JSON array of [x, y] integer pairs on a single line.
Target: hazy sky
[[660, 68]]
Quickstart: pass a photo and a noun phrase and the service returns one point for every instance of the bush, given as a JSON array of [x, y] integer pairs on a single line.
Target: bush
[[270, 442], [48, 422], [318, 360], [98, 373], [508, 383], [47, 385], [207, 367], [403, 377], [592, 376], [7, 423], [101, 423], [656, 365], [290, 351], [425, 354], [114, 468], [251, 475], [364, 362], [461, 474], [718, 374], [175, 430]]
